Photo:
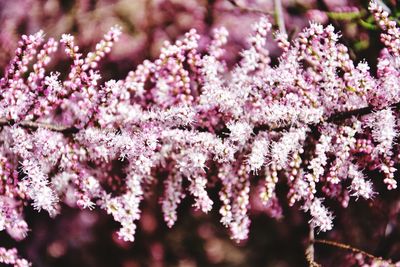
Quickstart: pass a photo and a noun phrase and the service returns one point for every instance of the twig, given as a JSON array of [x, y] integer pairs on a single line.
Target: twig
[[310, 249], [34, 125], [280, 20], [344, 246], [336, 117], [384, 6], [247, 9], [357, 112]]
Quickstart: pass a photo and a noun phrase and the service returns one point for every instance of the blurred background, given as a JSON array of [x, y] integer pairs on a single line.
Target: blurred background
[[88, 238]]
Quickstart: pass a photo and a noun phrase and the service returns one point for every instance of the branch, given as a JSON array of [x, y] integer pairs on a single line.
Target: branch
[[357, 112], [336, 117], [345, 247], [350, 113], [34, 125], [310, 249], [279, 16], [247, 9]]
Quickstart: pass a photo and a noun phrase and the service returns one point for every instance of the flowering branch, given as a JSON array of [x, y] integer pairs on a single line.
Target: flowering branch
[[186, 113], [35, 125], [336, 117]]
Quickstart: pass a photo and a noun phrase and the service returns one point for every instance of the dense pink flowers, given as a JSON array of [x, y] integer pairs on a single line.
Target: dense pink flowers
[[188, 121]]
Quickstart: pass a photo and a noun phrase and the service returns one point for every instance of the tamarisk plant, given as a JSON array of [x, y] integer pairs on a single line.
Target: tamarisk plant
[[316, 121]]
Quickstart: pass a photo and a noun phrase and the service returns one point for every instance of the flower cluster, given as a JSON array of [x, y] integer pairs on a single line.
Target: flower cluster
[[190, 121]]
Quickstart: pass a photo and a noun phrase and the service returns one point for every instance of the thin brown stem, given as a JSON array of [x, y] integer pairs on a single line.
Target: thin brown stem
[[310, 249], [344, 246], [34, 125]]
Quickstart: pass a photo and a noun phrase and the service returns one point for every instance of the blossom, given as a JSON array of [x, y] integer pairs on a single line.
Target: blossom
[[190, 121], [321, 217], [258, 153], [359, 186], [383, 124]]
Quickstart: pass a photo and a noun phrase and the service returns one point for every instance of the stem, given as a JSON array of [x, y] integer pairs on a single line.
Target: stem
[[246, 9], [384, 6], [310, 249], [357, 112], [279, 16], [34, 125], [334, 118], [344, 246]]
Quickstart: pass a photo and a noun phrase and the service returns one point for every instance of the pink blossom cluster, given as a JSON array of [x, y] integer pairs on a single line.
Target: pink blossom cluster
[[365, 261], [316, 121]]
